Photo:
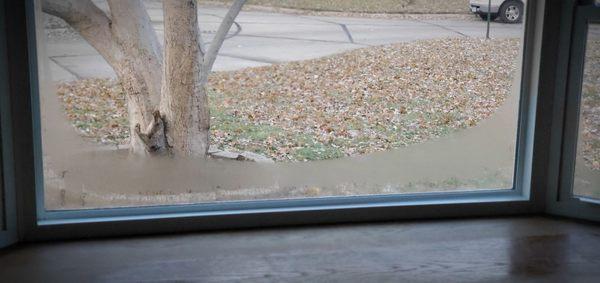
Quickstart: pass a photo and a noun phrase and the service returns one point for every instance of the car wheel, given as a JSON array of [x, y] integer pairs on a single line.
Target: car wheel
[[484, 16], [511, 11]]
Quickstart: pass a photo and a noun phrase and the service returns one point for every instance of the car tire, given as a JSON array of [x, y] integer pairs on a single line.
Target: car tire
[[511, 12], [492, 16]]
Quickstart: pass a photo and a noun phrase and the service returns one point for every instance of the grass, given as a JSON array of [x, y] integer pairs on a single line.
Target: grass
[[255, 136], [362, 6], [239, 130]]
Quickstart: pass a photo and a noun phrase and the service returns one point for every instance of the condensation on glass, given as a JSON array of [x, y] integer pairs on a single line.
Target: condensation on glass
[[587, 168], [334, 104]]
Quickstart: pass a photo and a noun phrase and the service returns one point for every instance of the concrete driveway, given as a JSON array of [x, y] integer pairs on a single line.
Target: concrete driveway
[[263, 38]]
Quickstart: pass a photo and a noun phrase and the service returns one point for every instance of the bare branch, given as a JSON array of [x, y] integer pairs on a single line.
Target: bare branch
[[89, 21], [201, 43], [217, 42], [131, 20]]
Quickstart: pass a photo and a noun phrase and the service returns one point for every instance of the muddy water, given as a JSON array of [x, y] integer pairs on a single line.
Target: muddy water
[[80, 174]]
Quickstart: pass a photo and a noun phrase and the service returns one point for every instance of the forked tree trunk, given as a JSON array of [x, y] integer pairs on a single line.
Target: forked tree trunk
[[166, 97]]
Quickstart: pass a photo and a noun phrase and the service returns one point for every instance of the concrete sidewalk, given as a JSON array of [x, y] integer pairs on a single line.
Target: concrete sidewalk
[[263, 38]]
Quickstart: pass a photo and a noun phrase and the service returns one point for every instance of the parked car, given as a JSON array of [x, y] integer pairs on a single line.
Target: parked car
[[509, 11]]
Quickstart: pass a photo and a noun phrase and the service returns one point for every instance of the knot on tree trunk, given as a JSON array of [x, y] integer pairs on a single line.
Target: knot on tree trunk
[[155, 136]]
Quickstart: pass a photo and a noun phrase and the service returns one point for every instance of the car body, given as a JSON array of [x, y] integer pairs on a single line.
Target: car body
[[481, 6], [509, 11]]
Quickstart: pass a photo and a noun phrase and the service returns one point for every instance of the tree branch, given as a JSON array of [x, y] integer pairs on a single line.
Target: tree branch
[[134, 32], [89, 21], [217, 42], [201, 43]]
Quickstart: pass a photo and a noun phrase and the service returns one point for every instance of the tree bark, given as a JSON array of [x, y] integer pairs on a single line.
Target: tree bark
[[140, 72], [184, 102]]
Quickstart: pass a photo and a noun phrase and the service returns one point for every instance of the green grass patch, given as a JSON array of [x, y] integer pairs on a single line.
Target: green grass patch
[[309, 150]]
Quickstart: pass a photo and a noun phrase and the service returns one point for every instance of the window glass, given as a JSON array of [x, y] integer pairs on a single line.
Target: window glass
[[306, 99], [587, 170]]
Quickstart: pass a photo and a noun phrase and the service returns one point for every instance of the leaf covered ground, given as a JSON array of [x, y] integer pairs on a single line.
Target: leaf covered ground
[[348, 104]]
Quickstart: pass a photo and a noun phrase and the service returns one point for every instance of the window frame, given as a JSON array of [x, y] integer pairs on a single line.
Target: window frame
[[527, 196], [566, 113], [8, 223]]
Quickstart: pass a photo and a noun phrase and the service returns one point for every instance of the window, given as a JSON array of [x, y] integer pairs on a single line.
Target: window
[[574, 189], [587, 170], [296, 106], [367, 118]]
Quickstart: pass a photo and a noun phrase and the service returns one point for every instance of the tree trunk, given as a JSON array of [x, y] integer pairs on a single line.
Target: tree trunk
[[140, 70], [184, 103], [129, 44]]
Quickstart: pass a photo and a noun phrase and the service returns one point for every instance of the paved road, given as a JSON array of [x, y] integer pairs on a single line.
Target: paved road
[[262, 38]]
